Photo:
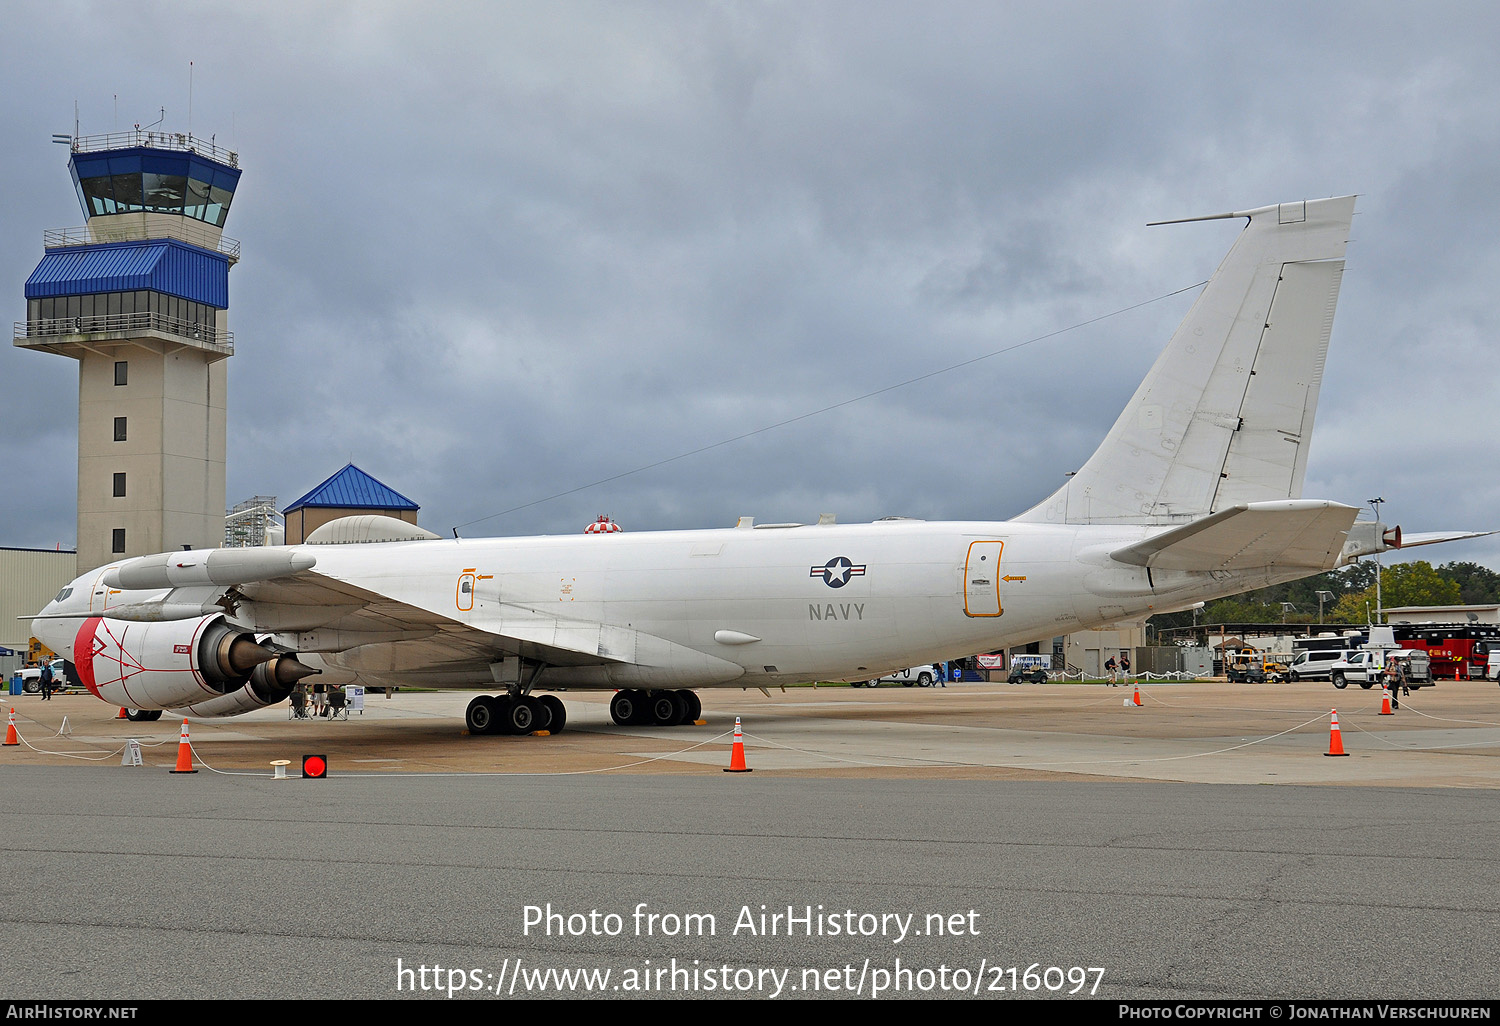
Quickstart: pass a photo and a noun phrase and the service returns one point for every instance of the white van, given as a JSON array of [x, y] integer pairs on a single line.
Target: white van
[[1492, 671], [1316, 664]]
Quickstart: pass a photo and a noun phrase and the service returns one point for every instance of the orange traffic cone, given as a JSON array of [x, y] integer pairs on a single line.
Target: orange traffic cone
[[123, 715], [184, 753], [10, 730], [737, 756], [1138, 696], [1385, 702], [1335, 740]]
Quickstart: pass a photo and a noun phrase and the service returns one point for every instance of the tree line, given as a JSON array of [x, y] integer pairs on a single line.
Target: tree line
[[1353, 589]]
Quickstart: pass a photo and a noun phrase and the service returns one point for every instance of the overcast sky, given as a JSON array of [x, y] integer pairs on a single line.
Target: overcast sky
[[495, 252]]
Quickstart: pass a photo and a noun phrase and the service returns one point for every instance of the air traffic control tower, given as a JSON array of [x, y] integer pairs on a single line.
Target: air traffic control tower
[[139, 297]]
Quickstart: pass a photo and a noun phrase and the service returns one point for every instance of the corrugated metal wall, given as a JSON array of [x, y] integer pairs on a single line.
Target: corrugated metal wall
[[29, 579]]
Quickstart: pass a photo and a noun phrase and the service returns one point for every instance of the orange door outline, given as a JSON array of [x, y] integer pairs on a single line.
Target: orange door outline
[[982, 579]]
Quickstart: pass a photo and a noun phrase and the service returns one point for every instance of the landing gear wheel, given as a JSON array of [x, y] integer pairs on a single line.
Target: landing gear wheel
[[522, 716], [625, 707], [695, 706], [543, 713], [665, 712], [559, 712], [481, 716], [137, 715]]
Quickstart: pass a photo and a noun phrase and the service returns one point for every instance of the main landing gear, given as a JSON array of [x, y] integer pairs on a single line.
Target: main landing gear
[[508, 714], [635, 707]]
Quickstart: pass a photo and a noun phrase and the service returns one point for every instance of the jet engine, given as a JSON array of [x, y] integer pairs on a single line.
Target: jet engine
[[204, 666]]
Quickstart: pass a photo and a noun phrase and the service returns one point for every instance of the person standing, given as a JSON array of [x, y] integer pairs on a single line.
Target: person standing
[[1125, 668], [47, 682]]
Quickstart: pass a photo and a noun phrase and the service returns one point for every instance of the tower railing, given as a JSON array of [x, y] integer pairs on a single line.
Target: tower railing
[[198, 334], [191, 232], [184, 142]]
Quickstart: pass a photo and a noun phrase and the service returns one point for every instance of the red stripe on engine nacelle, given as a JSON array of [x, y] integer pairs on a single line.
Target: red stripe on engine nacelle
[[83, 653]]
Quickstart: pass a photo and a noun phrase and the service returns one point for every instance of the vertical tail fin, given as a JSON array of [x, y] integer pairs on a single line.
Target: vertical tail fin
[[1226, 413]]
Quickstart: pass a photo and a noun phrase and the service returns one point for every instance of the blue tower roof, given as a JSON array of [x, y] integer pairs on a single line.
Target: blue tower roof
[[352, 488], [162, 265]]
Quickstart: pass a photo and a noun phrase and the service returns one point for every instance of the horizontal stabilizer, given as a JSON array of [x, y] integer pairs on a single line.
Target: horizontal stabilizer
[[1290, 532], [1409, 541]]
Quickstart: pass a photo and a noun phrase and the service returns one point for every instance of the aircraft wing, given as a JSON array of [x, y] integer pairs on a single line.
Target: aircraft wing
[[1292, 532], [333, 615]]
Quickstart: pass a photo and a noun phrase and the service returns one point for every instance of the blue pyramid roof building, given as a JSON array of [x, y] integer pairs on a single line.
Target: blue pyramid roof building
[[352, 488]]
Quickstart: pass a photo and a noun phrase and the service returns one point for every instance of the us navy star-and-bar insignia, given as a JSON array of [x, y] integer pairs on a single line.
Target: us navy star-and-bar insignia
[[837, 571]]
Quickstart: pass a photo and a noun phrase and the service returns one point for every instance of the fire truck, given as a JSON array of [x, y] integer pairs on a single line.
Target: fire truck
[[1457, 651]]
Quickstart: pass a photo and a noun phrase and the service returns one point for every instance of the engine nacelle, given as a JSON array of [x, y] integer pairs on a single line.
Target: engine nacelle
[[180, 664], [269, 683]]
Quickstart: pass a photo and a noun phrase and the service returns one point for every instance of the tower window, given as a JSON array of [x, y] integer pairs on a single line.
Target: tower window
[[122, 372], [119, 540], [119, 486], [119, 429]]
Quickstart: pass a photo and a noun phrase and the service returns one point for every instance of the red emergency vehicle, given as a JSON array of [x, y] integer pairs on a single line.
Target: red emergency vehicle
[[1458, 651]]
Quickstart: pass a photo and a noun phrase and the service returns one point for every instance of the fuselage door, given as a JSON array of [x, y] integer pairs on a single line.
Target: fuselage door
[[982, 579], [464, 595]]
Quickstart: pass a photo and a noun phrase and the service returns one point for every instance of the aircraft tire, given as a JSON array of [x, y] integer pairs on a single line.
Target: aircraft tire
[[481, 716], [522, 716], [695, 706], [664, 710], [624, 707], [559, 712]]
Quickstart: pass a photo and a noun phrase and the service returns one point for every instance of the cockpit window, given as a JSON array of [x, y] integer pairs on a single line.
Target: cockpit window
[[63, 594]]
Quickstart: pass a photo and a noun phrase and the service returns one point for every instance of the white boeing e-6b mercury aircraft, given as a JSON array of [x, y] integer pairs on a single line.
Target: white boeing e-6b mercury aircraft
[[1195, 494]]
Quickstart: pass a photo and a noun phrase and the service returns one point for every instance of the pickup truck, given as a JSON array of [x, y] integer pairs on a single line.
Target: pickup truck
[[1367, 668], [922, 676]]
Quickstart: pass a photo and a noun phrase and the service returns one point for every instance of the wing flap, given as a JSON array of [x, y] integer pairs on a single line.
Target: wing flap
[[1293, 532]]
